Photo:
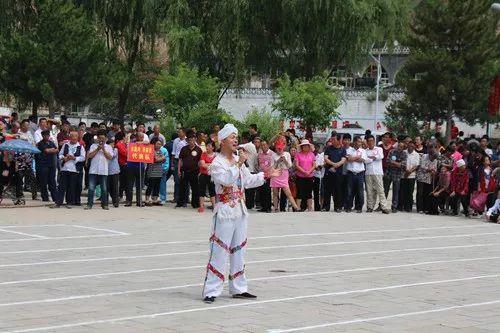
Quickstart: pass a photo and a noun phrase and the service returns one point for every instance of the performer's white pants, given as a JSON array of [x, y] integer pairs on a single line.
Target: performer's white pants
[[228, 240]]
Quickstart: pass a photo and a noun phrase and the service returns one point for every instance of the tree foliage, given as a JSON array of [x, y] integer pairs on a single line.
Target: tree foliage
[[184, 89], [268, 122], [455, 52], [314, 102], [53, 60], [233, 38]]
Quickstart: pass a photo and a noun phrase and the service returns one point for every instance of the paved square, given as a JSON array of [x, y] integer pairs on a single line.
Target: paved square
[[141, 270]]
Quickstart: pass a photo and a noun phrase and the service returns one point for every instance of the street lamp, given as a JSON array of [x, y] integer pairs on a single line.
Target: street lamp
[[379, 76]]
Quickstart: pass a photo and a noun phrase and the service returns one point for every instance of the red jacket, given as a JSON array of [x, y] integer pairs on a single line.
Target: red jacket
[[460, 181], [482, 183], [122, 152]]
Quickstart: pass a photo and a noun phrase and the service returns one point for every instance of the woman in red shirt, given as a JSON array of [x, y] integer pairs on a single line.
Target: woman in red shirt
[[204, 179]]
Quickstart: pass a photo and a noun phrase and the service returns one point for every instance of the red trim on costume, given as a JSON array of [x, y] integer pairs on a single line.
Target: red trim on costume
[[215, 271], [235, 275], [216, 239], [239, 247]]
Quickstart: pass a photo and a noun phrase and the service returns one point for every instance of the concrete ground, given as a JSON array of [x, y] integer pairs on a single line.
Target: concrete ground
[[141, 270]]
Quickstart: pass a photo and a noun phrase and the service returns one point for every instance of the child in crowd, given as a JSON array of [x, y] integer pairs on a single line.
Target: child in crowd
[[459, 188]]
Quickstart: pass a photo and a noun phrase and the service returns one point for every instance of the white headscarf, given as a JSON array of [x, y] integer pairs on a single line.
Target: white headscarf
[[226, 131]]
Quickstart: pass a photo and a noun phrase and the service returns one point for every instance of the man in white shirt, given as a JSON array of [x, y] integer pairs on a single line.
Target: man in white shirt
[[43, 124], [374, 176], [25, 134], [178, 144], [356, 157], [72, 156], [100, 153], [156, 134], [408, 180]]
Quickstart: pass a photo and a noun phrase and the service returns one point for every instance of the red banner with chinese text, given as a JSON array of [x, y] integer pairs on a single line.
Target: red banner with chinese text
[[139, 152]]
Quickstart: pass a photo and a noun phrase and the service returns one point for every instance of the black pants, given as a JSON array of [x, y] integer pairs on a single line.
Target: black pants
[[426, 199], [406, 194], [67, 187], [333, 186], [420, 197], [29, 179], [265, 195], [113, 188], [48, 179], [134, 178], [437, 202], [79, 188], [189, 179], [457, 200], [123, 181], [153, 187], [250, 197], [317, 193]]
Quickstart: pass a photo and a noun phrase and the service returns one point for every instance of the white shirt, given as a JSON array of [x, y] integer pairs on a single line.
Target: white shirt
[[38, 137], [160, 137], [27, 137], [412, 161], [320, 162], [100, 164], [488, 152], [374, 167], [356, 167], [283, 165], [229, 178], [70, 165], [252, 161], [177, 146], [113, 166]]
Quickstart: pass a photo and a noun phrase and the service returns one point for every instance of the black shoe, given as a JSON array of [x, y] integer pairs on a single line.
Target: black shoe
[[394, 210], [209, 300], [359, 211], [369, 210], [88, 207], [385, 211], [105, 207], [142, 204], [55, 206], [128, 204], [348, 210], [116, 205], [244, 295]]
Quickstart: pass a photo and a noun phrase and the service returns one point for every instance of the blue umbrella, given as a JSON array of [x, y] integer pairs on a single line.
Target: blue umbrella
[[19, 146]]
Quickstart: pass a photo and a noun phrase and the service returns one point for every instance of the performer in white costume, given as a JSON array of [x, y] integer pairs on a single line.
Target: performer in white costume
[[229, 232]]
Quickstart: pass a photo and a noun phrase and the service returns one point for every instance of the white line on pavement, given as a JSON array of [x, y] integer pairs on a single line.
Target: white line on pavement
[[71, 277], [266, 278], [276, 300], [399, 315], [382, 240], [251, 238], [100, 229], [52, 238], [22, 233], [34, 225]]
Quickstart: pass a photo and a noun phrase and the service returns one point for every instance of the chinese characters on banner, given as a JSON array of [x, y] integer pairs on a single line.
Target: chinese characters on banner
[[139, 152]]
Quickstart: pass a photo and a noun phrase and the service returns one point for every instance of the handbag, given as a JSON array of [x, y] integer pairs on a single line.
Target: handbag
[[478, 201]]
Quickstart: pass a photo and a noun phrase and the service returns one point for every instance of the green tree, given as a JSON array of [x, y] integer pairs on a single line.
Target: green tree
[[57, 59], [131, 29], [184, 89], [268, 122], [313, 102], [455, 52], [233, 39]]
